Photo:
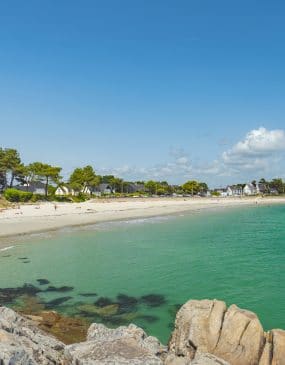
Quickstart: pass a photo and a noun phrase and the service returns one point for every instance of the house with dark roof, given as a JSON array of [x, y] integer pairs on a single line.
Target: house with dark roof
[[101, 189], [135, 188], [35, 187]]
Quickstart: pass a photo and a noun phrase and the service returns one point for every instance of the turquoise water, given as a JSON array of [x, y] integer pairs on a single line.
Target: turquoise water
[[237, 255]]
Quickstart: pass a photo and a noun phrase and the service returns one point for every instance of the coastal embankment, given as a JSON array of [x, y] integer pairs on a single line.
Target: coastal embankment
[[31, 218]]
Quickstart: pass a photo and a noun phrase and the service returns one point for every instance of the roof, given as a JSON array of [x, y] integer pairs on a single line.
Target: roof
[[31, 187]]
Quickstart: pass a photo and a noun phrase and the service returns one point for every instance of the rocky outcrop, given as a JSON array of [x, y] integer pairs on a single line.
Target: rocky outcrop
[[22, 343], [206, 333], [232, 334], [124, 345]]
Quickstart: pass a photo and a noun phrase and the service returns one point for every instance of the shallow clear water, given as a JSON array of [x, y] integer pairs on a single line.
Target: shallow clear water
[[237, 255]]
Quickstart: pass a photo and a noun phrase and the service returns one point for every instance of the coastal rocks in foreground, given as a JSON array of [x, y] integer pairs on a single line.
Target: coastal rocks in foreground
[[22, 343], [124, 345], [206, 333], [233, 334]]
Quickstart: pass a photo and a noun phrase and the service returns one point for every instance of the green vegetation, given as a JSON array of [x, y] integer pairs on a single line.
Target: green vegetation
[[39, 181], [14, 195]]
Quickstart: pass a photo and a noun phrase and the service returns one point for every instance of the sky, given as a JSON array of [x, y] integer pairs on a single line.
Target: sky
[[166, 90]]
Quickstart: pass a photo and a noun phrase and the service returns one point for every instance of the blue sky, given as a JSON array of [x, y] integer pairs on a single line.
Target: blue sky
[[146, 89]]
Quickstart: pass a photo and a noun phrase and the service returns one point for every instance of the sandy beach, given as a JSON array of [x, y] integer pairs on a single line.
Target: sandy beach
[[25, 219]]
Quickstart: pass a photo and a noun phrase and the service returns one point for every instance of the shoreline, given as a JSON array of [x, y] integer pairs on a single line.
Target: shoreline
[[44, 217]]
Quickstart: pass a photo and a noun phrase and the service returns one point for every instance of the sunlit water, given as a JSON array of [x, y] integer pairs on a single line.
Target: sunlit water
[[237, 255]]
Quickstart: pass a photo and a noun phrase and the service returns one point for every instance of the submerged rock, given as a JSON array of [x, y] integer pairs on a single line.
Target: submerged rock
[[43, 281], [108, 310], [61, 289], [88, 294], [153, 300]]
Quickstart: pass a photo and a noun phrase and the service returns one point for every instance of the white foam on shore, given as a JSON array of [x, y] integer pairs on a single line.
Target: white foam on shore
[[6, 248]]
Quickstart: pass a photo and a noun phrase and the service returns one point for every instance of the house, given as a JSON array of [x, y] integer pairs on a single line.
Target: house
[[35, 187], [101, 189], [250, 189], [135, 187], [221, 191], [234, 190], [261, 188], [106, 189], [273, 191], [64, 190]]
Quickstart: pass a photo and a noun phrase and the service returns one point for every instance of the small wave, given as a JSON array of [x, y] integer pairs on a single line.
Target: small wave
[[6, 248]]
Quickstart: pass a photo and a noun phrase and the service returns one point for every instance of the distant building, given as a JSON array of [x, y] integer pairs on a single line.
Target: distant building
[[35, 187], [261, 188], [135, 188], [64, 190], [221, 191], [250, 189], [101, 189], [234, 190], [273, 191]]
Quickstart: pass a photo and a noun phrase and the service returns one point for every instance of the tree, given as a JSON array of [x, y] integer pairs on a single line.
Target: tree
[[10, 165], [203, 187], [278, 185], [45, 172], [265, 184], [191, 187], [83, 177], [151, 186]]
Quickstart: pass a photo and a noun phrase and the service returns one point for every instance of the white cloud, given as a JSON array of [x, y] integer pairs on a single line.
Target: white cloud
[[257, 143], [259, 153], [259, 150]]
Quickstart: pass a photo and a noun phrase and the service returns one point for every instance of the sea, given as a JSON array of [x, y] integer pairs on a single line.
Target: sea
[[141, 271]]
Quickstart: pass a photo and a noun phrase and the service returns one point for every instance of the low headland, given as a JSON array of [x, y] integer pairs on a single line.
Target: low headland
[[46, 216]]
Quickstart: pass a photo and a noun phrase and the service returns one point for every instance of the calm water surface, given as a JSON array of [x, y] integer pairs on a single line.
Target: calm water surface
[[237, 255]]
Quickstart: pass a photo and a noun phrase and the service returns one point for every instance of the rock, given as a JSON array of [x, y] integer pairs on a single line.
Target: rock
[[207, 359], [23, 343], [124, 345], [105, 311], [241, 339], [206, 333], [199, 359], [197, 326], [234, 335], [278, 352], [172, 359], [274, 349]]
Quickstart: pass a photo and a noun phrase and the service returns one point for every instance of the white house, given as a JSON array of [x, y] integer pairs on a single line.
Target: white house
[[104, 189], [249, 189], [64, 190], [234, 190]]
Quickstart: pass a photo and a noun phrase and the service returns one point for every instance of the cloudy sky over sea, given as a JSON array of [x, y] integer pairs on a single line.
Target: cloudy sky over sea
[[169, 90]]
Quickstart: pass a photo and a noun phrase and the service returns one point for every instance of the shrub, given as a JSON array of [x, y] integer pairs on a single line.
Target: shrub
[[38, 197], [14, 195], [81, 197]]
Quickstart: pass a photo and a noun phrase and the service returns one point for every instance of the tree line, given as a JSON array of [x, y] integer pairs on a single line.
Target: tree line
[[14, 171]]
